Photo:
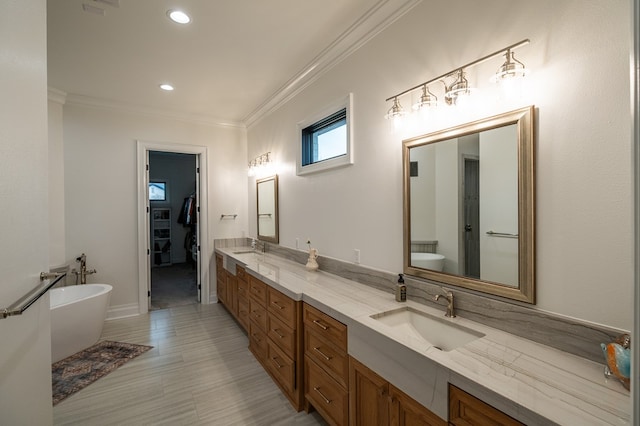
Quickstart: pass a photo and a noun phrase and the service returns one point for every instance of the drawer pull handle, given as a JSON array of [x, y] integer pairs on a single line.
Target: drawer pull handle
[[317, 389], [275, 361], [328, 358], [275, 330], [319, 324], [277, 305]]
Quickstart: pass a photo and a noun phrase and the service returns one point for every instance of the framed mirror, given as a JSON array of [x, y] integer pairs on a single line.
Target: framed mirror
[[267, 202], [469, 205]]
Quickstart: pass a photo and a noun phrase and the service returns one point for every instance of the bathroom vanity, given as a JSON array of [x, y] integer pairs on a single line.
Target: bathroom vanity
[[344, 349]]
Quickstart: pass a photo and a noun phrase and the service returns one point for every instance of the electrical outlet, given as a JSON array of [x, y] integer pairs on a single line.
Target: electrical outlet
[[356, 255]]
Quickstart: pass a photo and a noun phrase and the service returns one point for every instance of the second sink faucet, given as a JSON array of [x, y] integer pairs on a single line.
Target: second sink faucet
[[449, 296]]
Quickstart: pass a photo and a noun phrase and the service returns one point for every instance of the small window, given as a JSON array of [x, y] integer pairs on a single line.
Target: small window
[[157, 191], [325, 140]]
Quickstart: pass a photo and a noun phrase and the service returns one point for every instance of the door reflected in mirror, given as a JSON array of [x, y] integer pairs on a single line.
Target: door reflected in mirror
[[267, 211], [468, 206]]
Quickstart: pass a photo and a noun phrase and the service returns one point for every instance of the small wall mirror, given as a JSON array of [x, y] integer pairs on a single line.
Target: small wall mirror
[[469, 206], [267, 202]]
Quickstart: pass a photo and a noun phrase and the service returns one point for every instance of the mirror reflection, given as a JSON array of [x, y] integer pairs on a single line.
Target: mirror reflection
[[469, 205], [267, 210]]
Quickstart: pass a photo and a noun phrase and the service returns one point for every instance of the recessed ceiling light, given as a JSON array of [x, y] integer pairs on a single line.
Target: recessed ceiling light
[[166, 87], [178, 16]]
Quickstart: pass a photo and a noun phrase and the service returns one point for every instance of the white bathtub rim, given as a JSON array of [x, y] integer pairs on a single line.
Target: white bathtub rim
[[104, 288]]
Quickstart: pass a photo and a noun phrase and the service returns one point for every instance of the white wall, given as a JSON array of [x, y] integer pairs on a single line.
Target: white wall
[[25, 358], [57, 252], [100, 187], [499, 204], [447, 204], [579, 53]]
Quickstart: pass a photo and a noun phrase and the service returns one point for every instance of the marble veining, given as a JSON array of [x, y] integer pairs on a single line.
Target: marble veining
[[527, 379], [568, 335]]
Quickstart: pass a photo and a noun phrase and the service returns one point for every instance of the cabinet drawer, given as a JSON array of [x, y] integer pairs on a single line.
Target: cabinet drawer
[[334, 361], [282, 335], [283, 307], [257, 290], [258, 314], [329, 398], [243, 313], [465, 409], [282, 367], [257, 341], [330, 329]]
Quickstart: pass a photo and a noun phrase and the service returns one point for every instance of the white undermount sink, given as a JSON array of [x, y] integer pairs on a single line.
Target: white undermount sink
[[243, 251], [439, 332]]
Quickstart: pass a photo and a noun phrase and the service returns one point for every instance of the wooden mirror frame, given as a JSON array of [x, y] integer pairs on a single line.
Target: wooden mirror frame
[[524, 120]]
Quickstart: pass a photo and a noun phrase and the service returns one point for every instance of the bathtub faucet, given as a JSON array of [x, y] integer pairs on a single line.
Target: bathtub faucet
[[82, 259]]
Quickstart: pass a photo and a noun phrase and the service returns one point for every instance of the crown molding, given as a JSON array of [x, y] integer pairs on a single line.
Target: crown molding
[[89, 101], [374, 21], [55, 95]]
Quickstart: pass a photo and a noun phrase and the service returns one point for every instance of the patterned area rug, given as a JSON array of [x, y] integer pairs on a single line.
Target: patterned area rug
[[72, 374]]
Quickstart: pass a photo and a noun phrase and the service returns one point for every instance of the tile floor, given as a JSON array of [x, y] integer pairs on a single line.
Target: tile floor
[[173, 286], [199, 372]]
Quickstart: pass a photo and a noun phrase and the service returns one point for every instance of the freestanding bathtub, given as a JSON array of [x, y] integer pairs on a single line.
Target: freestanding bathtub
[[77, 316], [428, 260]]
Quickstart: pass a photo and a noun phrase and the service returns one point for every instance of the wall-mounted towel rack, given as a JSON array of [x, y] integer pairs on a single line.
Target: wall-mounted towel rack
[[22, 304], [228, 216], [501, 234]]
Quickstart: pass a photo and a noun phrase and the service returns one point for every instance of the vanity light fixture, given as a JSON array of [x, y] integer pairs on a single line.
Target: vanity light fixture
[[427, 99], [512, 68], [261, 162], [460, 86], [396, 110], [178, 16]]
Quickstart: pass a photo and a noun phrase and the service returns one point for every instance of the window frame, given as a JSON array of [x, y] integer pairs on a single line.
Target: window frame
[[317, 119], [166, 191]]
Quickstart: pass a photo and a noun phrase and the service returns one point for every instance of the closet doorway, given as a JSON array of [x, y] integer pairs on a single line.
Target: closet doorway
[[173, 229], [145, 257]]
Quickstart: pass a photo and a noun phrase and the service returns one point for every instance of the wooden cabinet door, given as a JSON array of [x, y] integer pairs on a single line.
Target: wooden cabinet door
[[221, 288], [405, 411], [232, 294], [368, 396]]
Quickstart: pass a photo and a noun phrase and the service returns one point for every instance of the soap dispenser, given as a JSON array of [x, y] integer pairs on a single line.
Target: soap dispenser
[[401, 290]]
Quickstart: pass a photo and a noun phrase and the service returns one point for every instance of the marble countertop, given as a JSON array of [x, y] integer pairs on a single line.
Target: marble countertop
[[558, 386]]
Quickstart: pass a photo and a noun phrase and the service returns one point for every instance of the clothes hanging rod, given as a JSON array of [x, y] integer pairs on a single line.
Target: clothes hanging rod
[[476, 62], [22, 304]]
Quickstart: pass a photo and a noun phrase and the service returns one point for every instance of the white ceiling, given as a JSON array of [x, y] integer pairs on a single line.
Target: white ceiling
[[235, 61]]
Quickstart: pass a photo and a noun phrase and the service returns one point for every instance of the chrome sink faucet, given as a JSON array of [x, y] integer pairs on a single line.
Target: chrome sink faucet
[[449, 296], [82, 259]]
